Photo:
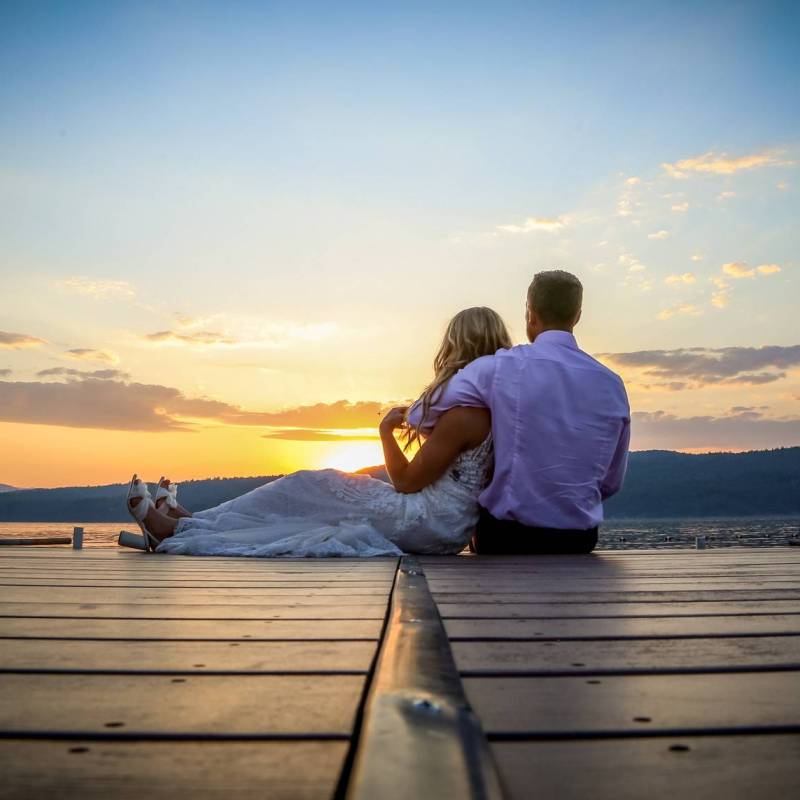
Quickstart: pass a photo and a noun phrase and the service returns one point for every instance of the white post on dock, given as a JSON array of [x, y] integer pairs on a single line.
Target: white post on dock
[[77, 538]]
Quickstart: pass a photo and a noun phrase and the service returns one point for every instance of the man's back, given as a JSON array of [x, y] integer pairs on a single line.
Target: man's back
[[560, 422]]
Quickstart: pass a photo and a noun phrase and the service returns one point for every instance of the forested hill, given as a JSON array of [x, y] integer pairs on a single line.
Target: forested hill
[[660, 483]]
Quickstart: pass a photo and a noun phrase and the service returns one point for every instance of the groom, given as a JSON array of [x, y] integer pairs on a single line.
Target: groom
[[561, 428]]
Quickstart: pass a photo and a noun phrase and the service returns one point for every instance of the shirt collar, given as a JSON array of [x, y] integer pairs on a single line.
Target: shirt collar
[[557, 337]]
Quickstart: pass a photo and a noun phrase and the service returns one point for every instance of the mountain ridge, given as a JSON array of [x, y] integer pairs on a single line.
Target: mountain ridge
[[659, 484]]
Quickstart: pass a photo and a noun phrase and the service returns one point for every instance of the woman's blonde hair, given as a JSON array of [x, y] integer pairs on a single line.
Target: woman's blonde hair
[[472, 333]]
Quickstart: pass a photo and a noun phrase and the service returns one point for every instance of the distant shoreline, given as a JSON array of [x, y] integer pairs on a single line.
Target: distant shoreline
[[660, 485]]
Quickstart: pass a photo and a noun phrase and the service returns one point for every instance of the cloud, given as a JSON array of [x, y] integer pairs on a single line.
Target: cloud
[[534, 224], [341, 414], [721, 295], [313, 435], [196, 338], [680, 207], [713, 164], [686, 277], [67, 372], [4, 373], [633, 180], [274, 335], [96, 289], [704, 366], [107, 401], [18, 341], [726, 195], [86, 354], [631, 262], [736, 431], [680, 310], [737, 269], [697, 257], [658, 235]]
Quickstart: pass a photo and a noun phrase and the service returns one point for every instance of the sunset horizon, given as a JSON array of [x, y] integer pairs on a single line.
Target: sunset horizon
[[231, 239]]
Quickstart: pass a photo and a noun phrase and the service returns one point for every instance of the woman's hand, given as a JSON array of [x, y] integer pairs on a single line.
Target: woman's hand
[[394, 419]]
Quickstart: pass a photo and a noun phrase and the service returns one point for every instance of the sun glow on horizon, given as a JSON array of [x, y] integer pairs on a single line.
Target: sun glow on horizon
[[353, 456]]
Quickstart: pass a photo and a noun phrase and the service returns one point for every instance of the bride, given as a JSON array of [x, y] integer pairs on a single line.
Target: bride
[[431, 505]]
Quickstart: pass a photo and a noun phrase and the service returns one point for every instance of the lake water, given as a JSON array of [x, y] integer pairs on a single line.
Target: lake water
[[614, 535]]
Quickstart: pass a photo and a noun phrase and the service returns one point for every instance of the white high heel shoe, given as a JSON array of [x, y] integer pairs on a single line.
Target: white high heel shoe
[[169, 493], [138, 489]]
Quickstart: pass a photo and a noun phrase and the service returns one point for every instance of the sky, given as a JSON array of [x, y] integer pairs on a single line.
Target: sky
[[231, 234]]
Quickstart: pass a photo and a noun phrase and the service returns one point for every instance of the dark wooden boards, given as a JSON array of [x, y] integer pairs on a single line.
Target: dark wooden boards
[[176, 629], [186, 657], [585, 671], [88, 769], [199, 705], [125, 674], [544, 706], [700, 768], [623, 628], [627, 656]]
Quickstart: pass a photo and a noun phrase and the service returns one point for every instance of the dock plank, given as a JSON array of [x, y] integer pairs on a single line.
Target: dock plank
[[470, 609], [157, 595], [545, 705], [627, 627], [298, 608], [209, 705], [665, 655], [700, 768], [98, 770], [86, 628], [304, 656]]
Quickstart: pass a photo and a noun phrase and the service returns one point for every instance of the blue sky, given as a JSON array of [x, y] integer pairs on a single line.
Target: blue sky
[[322, 185]]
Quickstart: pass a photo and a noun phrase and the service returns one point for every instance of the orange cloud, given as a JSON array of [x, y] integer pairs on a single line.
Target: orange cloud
[[681, 309], [86, 354], [105, 399], [197, 338], [686, 277], [96, 289], [712, 164], [531, 224], [738, 269], [18, 341]]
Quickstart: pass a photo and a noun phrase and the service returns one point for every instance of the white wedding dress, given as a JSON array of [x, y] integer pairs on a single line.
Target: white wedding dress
[[328, 513]]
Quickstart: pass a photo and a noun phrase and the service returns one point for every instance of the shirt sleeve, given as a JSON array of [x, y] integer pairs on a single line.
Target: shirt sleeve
[[615, 475], [470, 386]]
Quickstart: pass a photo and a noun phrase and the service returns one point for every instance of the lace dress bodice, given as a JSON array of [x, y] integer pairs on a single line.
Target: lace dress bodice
[[472, 468], [332, 513]]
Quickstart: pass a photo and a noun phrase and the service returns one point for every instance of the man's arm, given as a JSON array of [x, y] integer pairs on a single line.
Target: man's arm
[[615, 475], [470, 386]]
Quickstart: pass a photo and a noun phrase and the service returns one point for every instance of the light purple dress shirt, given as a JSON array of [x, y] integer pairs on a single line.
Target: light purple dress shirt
[[561, 428]]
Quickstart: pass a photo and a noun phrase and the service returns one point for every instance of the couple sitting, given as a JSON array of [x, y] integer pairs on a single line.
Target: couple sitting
[[520, 446]]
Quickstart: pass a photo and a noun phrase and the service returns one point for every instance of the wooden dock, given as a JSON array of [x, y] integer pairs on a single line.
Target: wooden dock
[[615, 675]]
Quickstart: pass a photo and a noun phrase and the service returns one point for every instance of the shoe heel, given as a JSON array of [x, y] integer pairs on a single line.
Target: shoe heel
[[136, 541]]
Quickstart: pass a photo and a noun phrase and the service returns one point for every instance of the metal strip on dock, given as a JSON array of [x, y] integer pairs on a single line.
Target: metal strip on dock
[[419, 737]]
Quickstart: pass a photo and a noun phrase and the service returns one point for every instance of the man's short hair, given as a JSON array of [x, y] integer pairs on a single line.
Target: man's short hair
[[556, 297]]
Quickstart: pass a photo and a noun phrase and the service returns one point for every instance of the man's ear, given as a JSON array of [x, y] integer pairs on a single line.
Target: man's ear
[[578, 318], [531, 323]]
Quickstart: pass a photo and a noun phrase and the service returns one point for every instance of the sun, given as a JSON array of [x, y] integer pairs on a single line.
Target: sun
[[352, 456]]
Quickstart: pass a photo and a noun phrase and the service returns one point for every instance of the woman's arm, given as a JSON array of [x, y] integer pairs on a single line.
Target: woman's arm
[[457, 430]]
